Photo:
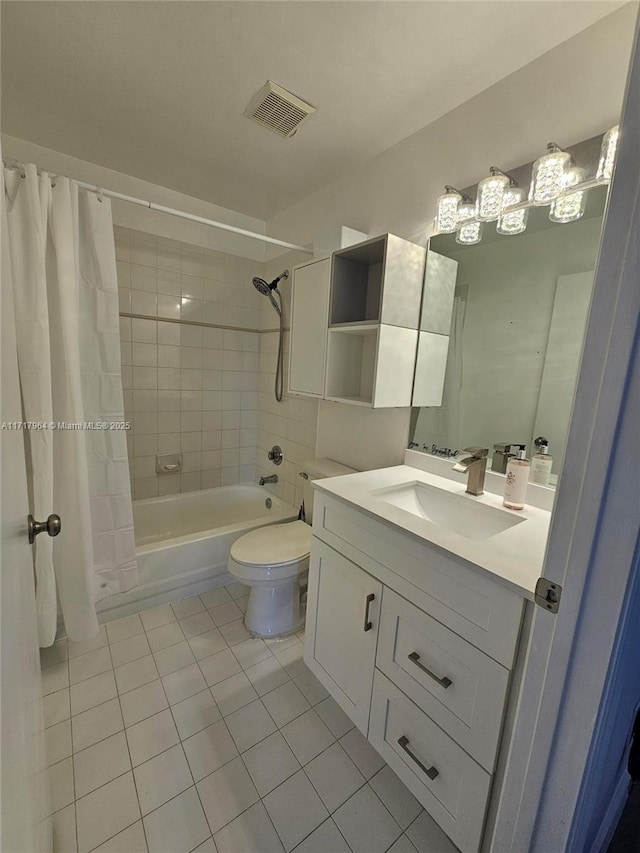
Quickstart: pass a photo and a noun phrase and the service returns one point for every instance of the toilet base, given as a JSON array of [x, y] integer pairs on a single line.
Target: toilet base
[[273, 611]]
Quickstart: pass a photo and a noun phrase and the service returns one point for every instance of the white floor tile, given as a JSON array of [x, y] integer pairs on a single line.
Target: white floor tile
[[187, 606], [173, 658], [151, 737], [366, 824], [251, 832], [219, 666], [396, 796], [58, 741], [84, 646], [234, 632], [207, 846], [130, 649], [92, 692], [195, 713], [279, 644], [55, 678], [57, 653], [295, 809], [86, 666], [334, 776], [250, 724], [56, 708], [61, 784], [135, 674], [291, 658], [130, 840], [334, 717], [404, 845], [121, 629], [267, 675], [100, 763], [199, 623], [64, 830], [106, 812], [325, 839], [207, 644], [183, 683], [427, 837], [177, 827], [307, 736], [310, 687], [285, 703], [251, 652], [233, 693], [162, 778], [156, 617], [363, 755], [209, 750], [223, 614], [270, 762], [227, 793], [215, 597], [165, 636], [96, 724], [143, 702], [236, 590]]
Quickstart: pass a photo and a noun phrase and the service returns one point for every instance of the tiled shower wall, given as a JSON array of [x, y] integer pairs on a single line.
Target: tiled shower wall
[[190, 389]]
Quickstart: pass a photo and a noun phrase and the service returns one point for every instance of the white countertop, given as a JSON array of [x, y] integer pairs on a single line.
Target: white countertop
[[514, 556]]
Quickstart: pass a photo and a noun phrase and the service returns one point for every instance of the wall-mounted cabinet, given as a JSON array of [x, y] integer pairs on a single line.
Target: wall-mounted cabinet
[[309, 311]]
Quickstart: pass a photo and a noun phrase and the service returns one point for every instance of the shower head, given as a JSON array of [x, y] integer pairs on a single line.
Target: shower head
[[265, 288], [261, 286]]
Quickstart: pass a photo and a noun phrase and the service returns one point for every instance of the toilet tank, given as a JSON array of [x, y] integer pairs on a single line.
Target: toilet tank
[[318, 469]]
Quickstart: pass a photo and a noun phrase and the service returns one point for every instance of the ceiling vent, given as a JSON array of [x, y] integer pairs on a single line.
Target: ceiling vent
[[279, 110]]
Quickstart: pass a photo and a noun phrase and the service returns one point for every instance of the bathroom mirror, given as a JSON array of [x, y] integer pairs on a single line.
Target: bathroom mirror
[[520, 312]]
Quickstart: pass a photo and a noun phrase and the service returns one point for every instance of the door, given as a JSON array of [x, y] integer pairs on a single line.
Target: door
[[343, 608], [309, 321], [25, 824]]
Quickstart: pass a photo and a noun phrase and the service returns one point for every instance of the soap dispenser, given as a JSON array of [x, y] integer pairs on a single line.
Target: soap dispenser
[[515, 488], [541, 463]]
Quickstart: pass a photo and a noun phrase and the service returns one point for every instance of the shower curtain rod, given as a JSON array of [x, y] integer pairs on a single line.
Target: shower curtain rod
[[11, 163], [182, 214]]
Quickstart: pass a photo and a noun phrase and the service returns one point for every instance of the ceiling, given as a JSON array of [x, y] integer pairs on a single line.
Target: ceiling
[[158, 89]]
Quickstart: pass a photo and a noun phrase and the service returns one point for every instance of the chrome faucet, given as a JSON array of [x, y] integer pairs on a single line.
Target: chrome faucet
[[272, 478], [475, 466]]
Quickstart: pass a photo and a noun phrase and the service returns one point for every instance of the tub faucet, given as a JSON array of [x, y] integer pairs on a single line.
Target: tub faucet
[[475, 466], [272, 478]]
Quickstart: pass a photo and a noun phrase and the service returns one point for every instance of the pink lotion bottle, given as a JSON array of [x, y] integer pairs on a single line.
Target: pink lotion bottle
[[515, 489]]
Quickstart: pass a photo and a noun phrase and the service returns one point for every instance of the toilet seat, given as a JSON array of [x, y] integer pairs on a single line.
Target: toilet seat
[[274, 552]]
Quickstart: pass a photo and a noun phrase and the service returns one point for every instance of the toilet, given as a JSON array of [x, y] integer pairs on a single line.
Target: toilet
[[273, 561]]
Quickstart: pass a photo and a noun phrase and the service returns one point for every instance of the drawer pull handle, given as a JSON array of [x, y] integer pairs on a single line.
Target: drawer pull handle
[[445, 682], [367, 624], [431, 772]]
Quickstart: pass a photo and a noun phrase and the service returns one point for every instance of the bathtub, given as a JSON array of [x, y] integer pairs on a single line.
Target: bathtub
[[183, 541]]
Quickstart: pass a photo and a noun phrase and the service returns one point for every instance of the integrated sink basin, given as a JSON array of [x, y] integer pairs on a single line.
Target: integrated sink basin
[[460, 514]]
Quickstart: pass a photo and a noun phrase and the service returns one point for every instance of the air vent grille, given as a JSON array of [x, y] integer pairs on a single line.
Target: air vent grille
[[278, 109]]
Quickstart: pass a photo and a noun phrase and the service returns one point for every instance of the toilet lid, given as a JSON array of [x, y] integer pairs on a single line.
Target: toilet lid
[[273, 545]]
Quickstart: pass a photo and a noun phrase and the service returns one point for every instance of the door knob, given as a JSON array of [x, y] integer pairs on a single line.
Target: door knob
[[52, 526]]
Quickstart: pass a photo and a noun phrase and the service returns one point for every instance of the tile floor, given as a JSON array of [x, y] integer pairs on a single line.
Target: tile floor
[[174, 731]]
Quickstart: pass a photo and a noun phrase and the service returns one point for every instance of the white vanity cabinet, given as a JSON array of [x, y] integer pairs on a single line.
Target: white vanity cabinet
[[417, 647]]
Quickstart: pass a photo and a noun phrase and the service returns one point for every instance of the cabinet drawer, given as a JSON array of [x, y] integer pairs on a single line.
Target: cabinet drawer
[[460, 688], [461, 596], [448, 783]]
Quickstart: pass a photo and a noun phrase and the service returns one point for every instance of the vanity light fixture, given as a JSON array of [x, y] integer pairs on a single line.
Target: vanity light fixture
[[608, 154], [447, 209], [548, 175], [570, 205], [469, 233], [491, 194], [515, 221]]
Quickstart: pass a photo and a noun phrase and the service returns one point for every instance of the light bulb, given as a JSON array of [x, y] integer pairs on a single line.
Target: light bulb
[[447, 211], [513, 222], [547, 177], [608, 154], [569, 206], [491, 192], [469, 233]]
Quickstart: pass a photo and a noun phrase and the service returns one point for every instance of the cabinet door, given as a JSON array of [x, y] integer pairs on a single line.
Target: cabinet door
[[309, 321], [343, 606]]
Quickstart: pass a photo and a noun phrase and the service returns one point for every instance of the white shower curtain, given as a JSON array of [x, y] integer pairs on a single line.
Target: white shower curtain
[[66, 299]]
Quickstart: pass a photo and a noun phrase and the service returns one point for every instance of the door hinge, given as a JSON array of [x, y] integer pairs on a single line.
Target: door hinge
[[548, 595]]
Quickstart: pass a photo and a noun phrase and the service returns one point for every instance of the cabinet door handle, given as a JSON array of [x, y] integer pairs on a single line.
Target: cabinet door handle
[[445, 682], [367, 624], [431, 772]]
